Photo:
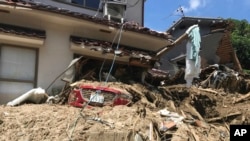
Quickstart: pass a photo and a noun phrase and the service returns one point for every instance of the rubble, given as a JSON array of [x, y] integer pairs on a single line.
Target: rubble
[[203, 117], [162, 108]]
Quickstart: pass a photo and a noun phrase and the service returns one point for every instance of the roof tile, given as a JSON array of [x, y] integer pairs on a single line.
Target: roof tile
[[24, 31], [131, 26]]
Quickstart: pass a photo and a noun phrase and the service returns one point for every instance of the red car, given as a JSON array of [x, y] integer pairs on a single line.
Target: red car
[[98, 96]]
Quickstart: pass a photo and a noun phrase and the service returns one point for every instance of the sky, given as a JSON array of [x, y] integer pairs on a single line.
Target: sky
[[159, 15]]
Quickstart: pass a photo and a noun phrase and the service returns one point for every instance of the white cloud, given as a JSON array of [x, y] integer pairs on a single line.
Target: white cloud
[[194, 5]]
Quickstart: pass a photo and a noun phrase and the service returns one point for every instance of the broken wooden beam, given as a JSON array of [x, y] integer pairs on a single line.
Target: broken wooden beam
[[194, 111], [176, 42], [237, 64], [208, 91], [223, 117], [242, 98], [206, 82]]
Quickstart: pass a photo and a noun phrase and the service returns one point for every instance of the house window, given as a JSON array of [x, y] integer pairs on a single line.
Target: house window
[[94, 4], [17, 71]]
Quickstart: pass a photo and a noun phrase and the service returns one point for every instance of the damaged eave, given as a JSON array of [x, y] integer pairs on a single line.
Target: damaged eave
[[98, 49], [80, 49], [144, 42]]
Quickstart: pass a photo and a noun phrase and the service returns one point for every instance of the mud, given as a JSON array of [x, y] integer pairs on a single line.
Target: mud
[[207, 115]]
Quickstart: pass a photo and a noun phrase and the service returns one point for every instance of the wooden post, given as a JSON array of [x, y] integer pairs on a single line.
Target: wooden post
[[176, 42], [237, 64]]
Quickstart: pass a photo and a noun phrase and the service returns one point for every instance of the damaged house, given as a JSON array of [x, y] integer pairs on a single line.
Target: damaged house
[[216, 52], [38, 39], [216, 47], [65, 50]]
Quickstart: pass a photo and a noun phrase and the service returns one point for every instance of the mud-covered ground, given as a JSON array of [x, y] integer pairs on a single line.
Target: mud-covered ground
[[207, 116]]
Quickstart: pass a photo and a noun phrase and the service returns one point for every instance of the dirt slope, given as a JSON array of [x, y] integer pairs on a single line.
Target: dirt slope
[[207, 115]]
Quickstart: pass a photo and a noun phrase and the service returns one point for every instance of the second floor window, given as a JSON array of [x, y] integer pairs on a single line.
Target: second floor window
[[93, 4]]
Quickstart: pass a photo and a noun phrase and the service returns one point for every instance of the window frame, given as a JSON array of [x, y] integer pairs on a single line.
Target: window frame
[[34, 81], [79, 5]]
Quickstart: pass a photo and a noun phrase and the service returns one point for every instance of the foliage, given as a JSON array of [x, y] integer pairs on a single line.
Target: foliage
[[246, 71], [241, 41]]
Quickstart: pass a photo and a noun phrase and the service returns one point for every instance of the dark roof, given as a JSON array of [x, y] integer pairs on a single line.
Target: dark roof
[[203, 21], [24, 31], [131, 26]]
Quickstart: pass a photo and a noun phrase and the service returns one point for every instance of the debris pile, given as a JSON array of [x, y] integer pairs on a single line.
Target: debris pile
[[164, 109]]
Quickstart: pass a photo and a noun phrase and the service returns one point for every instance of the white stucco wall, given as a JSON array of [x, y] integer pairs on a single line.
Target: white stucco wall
[[54, 57]]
